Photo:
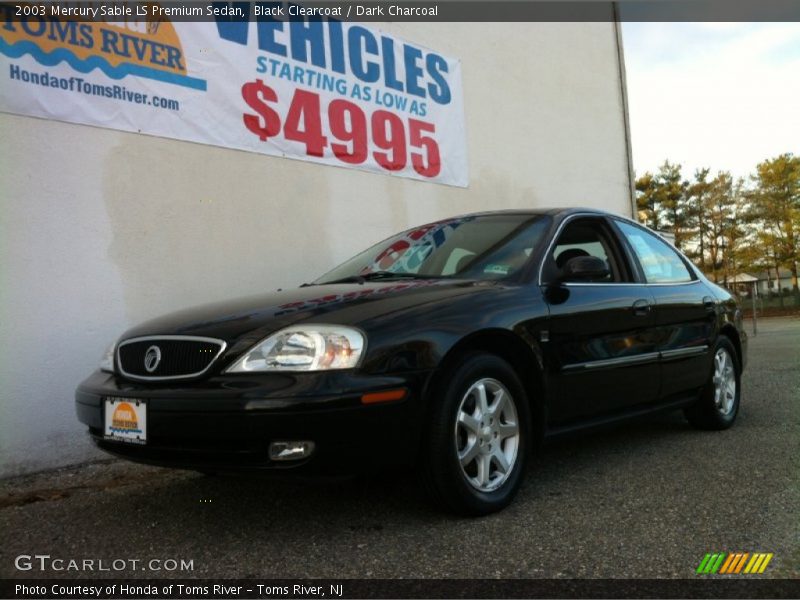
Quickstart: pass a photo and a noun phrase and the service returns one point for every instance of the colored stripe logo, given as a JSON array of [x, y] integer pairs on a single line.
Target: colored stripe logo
[[734, 563]]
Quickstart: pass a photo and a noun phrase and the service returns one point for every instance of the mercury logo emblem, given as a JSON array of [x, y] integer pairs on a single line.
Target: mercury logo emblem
[[152, 358]]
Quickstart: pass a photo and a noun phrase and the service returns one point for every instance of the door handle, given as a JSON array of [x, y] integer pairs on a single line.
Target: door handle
[[641, 308], [709, 304]]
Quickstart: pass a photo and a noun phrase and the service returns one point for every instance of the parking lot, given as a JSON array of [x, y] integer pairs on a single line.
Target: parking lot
[[647, 499]]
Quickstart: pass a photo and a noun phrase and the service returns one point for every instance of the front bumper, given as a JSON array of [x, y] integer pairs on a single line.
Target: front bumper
[[227, 423]]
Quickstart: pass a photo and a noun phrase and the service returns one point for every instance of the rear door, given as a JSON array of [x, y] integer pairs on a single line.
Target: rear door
[[685, 312], [603, 354]]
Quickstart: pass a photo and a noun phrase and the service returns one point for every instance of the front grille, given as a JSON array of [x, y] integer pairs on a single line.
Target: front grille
[[173, 356]]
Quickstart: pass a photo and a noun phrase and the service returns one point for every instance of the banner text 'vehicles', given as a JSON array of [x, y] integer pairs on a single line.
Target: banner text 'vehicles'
[[352, 50]]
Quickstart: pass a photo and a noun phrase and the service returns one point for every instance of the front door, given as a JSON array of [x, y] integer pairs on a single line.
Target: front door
[[602, 349]]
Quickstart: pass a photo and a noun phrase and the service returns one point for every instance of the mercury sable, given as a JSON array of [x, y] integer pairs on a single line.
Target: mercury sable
[[454, 348]]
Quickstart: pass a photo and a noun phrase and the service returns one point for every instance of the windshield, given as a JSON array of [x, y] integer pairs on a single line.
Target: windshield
[[473, 247]]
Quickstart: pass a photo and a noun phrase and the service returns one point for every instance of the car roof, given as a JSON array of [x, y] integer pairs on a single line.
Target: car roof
[[551, 211]]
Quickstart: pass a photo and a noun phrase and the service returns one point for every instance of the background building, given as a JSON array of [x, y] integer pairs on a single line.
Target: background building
[[101, 229]]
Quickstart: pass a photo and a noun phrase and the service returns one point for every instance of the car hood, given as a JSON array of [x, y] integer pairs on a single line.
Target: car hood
[[247, 320]]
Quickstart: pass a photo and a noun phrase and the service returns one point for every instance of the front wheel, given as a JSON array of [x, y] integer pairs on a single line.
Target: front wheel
[[478, 441], [718, 404]]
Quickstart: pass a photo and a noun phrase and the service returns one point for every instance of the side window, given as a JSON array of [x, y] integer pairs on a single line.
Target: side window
[[660, 262], [586, 237]]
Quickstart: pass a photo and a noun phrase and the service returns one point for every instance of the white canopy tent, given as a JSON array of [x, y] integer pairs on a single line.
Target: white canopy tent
[[753, 281]]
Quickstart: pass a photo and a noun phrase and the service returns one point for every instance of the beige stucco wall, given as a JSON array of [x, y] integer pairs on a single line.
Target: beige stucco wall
[[100, 229]]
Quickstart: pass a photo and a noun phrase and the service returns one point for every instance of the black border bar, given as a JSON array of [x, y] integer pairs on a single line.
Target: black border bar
[[484, 10], [239, 589]]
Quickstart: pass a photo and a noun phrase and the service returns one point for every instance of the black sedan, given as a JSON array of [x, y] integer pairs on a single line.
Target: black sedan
[[455, 348]]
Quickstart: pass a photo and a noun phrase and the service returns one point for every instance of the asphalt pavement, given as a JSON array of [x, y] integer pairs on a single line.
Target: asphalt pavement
[[646, 499]]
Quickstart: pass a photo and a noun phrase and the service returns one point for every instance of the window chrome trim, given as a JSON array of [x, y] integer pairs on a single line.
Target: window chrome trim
[[612, 283], [150, 338]]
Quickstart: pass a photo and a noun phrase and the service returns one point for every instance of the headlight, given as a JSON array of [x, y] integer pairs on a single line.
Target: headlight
[[304, 348], [107, 362]]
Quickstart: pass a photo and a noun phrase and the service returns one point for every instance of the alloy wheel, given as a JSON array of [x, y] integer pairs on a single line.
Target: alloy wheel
[[487, 434], [724, 382]]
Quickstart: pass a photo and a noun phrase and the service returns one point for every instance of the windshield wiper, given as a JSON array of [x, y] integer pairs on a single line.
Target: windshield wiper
[[375, 275], [390, 275]]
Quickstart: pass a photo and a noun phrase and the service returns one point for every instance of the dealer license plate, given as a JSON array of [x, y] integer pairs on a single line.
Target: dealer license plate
[[126, 420]]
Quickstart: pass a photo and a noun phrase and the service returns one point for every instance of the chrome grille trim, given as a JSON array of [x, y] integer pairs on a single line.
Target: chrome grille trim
[[154, 338]]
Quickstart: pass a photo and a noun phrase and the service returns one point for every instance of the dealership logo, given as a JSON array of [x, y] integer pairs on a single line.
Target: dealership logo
[[152, 358], [734, 563], [149, 49], [124, 419]]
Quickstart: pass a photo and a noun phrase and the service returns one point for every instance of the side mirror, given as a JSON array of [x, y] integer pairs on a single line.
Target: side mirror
[[585, 268]]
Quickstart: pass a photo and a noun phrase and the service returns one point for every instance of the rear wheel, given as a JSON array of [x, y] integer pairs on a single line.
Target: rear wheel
[[478, 442], [718, 404]]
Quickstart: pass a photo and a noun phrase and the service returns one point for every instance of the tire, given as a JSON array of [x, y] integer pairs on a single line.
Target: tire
[[718, 404], [494, 441]]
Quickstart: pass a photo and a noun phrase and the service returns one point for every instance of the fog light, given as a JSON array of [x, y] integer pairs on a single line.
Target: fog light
[[290, 450]]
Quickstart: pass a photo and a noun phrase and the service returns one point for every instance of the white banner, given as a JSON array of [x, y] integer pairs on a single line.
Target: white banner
[[328, 92]]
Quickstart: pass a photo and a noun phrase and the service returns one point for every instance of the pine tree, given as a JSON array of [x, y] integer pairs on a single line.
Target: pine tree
[[776, 201]]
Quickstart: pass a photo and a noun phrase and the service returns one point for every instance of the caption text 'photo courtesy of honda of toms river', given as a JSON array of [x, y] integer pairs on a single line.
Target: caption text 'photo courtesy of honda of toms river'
[[454, 348]]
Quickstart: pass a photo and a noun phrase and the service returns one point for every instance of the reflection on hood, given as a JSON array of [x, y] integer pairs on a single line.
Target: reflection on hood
[[333, 299]]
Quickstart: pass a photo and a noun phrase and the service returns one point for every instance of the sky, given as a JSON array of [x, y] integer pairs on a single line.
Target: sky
[[720, 95]]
